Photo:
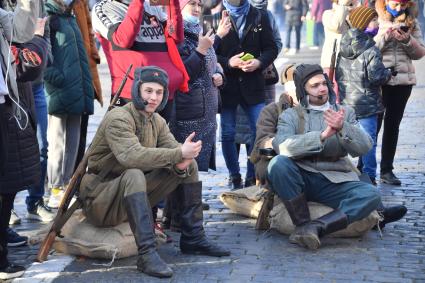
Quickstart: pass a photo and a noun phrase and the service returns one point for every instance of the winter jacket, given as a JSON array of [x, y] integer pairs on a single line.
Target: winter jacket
[[329, 157], [360, 74], [68, 82], [257, 39], [137, 34], [131, 140], [21, 165], [335, 25], [396, 54], [299, 8], [82, 15], [196, 111]]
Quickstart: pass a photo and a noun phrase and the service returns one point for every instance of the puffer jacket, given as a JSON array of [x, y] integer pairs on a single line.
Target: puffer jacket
[[335, 25], [298, 8], [360, 73], [68, 82], [328, 158], [397, 54]]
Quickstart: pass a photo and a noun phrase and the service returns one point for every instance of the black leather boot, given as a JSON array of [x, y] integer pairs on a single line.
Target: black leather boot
[[139, 215], [193, 239], [307, 233], [391, 214]]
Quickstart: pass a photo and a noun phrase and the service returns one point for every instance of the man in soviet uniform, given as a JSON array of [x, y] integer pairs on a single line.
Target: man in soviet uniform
[[313, 140], [136, 162]]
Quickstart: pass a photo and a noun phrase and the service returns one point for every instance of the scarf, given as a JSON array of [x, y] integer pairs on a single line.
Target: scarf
[[322, 107], [238, 14], [393, 12]]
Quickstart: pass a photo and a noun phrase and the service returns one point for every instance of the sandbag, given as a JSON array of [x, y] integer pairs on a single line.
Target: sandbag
[[248, 202], [82, 238]]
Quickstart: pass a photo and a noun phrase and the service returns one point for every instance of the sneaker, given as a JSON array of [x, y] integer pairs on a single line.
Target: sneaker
[[11, 271], [314, 47], [56, 197], [390, 178], [14, 218], [285, 50], [14, 239], [40, 212]]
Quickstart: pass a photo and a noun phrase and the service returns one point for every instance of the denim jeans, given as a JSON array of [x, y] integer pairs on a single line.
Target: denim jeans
[[228, 131], [356, 199], [318, 34], [297, 35], [36, 193], [369, 124]]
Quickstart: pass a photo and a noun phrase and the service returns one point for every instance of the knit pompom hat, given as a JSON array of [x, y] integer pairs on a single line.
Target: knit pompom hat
[[360, 17]]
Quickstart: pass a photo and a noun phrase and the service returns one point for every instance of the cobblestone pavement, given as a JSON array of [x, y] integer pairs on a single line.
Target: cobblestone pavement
[[397, 256]]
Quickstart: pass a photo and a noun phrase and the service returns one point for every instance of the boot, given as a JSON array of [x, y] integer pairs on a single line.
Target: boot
[[193, 239], [263, 216], [139, 215], [308, 235], [391, 214]]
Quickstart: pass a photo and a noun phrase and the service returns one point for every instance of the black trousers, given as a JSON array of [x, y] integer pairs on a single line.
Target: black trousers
[[6, 205], [395, 99]]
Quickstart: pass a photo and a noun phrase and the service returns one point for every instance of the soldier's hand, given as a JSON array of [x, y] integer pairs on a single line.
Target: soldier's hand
[[191, 149], [334, 119], [184, 164]]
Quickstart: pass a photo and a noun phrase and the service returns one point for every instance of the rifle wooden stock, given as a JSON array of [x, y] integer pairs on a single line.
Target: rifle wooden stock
[[65, 211], [332, 65]]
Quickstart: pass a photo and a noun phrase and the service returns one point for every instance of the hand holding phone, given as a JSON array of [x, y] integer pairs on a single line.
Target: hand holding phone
[[247, 56]]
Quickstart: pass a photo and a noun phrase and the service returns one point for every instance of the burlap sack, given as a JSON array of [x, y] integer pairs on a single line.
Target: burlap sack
[[82, 238], [248, 202]]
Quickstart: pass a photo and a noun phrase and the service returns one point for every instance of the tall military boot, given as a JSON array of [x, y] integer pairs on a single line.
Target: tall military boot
[[193, 239], [139, 215], [307, 233]]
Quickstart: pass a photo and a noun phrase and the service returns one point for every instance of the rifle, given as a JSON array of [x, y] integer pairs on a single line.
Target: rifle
[[332, 66], [65, 211]]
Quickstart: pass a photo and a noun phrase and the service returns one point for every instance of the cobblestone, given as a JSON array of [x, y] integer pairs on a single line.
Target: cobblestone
[[399, 256]]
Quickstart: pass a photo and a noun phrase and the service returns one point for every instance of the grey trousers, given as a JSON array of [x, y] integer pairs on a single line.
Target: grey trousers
[[63, 135]]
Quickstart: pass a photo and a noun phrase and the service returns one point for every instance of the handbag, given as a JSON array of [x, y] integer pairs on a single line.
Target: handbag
[[270, 75]]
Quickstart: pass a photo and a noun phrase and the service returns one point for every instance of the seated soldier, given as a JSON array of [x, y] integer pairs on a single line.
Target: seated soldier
[[313, 140], [263, 151], [135, 162]]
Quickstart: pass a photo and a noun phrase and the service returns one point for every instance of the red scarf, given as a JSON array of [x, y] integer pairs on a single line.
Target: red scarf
[[177, 61]]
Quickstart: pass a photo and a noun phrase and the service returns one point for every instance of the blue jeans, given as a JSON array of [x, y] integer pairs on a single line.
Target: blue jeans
[[318, 34], [228, 131], [36, 193], [370, 124], [356, 199]]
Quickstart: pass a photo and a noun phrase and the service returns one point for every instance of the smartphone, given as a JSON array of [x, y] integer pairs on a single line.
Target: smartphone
[[207, 23], [247, 56], [404, 28]]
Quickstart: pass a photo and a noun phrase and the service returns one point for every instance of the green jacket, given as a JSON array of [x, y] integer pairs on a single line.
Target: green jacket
[[130, 140], [328, 158], [68, 82]]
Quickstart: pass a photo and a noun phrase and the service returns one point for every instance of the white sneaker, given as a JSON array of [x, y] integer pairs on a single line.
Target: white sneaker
[[314, 47], [41, 212], [14, 218], [292, 51], [55, 198]]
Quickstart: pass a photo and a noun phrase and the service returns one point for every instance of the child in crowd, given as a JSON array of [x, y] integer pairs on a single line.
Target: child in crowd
[[360, 74]]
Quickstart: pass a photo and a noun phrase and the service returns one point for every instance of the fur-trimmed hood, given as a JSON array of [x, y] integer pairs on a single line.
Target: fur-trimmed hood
[[407, 18]]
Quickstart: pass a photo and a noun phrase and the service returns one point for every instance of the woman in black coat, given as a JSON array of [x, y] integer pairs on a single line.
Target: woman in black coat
[[251, 33]]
